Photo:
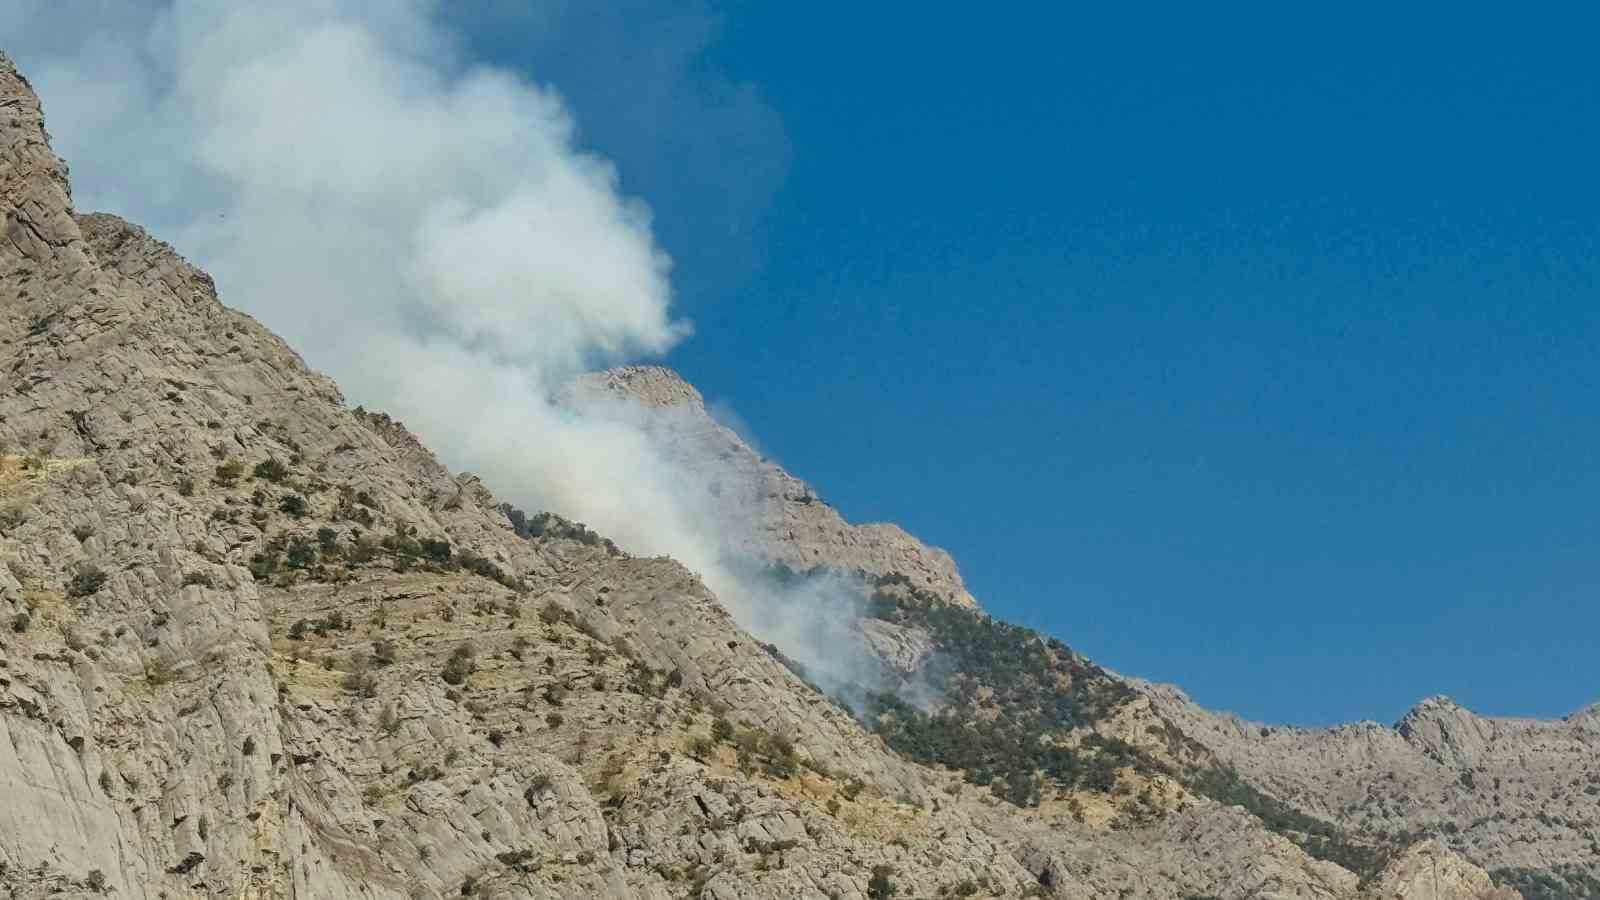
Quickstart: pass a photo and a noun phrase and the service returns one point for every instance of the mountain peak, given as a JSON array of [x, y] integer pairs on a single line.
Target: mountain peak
[[651, 385], [1432, 706], [33, 180]]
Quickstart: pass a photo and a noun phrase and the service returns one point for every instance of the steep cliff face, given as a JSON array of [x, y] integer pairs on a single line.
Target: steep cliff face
[[254, 643]]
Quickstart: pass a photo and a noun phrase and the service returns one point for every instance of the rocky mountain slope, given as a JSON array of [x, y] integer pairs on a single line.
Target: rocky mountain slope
[[257, 643], [1520, 797]]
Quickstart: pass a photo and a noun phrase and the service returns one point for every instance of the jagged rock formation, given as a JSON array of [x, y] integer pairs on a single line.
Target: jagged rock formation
[[1514, 795], [258, 644]]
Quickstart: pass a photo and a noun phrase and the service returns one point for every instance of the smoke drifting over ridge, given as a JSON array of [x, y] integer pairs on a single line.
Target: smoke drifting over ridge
[[425, 230]]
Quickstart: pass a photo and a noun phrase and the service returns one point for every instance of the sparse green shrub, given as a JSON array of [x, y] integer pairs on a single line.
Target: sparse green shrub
[[435, 551], [88, 580], [460, 666], [552, 612], [774, 754], [383, 653], [477, 565], [301, 555], [186, 486], [96, 881], [199, 578], [264, 562], [363, 550], [516, 859], [879, 886], [227, 474], [401, 543], [389, 721], [540, 783], [293, 504], [161, 671], [333, 621], [700, 748], [270, 469], [20, 622], [358, 681]]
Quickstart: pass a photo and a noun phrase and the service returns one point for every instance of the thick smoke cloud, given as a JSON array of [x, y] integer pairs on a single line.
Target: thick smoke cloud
[[425, 230]]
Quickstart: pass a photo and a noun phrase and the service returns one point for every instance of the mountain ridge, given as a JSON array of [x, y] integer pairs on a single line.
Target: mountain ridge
[[261, 644], [1436, 732]]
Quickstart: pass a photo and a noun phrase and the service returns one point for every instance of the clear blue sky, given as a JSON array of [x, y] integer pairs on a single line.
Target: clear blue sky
[[1254, 347]]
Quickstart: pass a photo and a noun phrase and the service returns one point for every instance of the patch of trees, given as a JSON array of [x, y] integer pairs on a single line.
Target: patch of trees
[[1553, 884], [1006, 753], [1320, 839], [1009, 699], [548, 525], [437, 554]]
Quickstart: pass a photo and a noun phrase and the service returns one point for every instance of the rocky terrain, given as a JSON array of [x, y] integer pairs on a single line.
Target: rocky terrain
[[256, 643], [1520, 797]]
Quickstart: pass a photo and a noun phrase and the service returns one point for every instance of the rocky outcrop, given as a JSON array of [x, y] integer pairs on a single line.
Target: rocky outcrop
[[1428, 870], [1508, 794], [792, 524]]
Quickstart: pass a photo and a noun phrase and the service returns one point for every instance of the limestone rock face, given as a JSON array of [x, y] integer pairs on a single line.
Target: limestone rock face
[[1508, 794], [791, 524], [1430, 871], [257, 644]]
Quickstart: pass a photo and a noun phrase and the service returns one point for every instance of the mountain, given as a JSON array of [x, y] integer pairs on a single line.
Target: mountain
[[1518, 796], [258, 643]]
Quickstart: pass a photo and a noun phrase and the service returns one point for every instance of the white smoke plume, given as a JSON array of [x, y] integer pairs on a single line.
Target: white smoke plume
[[425, 230]]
